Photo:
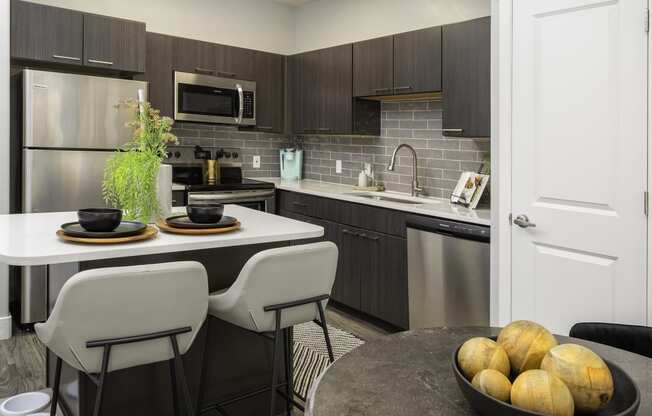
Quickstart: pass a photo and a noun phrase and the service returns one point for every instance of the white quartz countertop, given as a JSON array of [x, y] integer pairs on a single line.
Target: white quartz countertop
[[434, 207], [30, 239]]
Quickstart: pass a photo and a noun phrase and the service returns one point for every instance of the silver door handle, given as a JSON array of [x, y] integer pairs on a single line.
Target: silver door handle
[[68, 58], [524, 222], [241, 104], [97, 61]]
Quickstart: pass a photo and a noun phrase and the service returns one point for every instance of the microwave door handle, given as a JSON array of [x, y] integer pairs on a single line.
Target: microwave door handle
[[240, 104]]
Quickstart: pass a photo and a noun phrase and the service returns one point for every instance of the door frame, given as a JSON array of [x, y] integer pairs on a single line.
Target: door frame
[[501, 164]]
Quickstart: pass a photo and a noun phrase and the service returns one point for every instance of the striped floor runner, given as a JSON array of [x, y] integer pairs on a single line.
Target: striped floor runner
[[311, 355]]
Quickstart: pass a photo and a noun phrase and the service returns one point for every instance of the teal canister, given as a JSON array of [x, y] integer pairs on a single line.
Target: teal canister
[[291, 164]]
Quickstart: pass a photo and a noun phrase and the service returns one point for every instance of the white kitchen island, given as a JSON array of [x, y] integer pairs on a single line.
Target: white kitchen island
[[224, 360], [30, 239]]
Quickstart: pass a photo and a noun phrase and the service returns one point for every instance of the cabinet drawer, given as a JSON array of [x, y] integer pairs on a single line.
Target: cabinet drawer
[[363, 216], [299, 203]]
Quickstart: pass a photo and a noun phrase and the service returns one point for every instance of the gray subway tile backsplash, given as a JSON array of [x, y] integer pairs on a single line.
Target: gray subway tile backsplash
[[417, 123]]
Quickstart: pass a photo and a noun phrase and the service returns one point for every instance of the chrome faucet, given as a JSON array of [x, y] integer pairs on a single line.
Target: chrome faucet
[[416, 189]]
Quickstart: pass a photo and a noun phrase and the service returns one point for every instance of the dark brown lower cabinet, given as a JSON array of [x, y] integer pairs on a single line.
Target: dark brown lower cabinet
[[372, 268]]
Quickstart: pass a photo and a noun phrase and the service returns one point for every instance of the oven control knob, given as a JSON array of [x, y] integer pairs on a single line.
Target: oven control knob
[[219, 154], [235, 155], [177, 154], [227, 155], [168, 155]]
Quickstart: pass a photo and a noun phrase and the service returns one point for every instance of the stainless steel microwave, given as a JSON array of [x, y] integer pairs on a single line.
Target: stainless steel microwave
[[209, 99]]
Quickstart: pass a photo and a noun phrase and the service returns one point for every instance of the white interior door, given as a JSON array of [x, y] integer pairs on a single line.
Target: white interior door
[[579, 161]]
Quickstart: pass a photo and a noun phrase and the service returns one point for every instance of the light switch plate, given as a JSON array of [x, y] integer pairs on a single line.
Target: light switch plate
[[338, 166], [256, 162]]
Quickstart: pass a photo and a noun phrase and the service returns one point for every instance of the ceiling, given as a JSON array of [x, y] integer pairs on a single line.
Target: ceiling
[[294, 3]]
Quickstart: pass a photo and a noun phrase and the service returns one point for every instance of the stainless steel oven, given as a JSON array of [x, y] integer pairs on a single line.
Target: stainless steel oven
[[258, 199], [210, 99]]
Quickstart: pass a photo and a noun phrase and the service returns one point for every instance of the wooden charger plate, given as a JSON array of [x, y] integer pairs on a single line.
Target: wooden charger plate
[[163, 226], [149, 232]]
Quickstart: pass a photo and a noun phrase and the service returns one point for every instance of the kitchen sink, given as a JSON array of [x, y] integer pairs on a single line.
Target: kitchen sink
[[378, 197]]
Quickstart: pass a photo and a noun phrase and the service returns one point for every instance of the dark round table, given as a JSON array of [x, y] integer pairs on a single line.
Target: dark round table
[[410, 374]]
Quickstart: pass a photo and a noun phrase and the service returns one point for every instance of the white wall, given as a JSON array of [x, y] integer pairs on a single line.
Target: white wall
[[325, 23], [5, 318], [257, 24]]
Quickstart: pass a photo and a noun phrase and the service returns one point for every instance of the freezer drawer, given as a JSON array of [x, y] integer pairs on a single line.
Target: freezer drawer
[[76, 111], [448, 275], [62, 180]]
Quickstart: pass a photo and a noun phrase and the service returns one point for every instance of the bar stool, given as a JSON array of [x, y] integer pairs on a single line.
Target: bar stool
[[149, 313], [277, 289]]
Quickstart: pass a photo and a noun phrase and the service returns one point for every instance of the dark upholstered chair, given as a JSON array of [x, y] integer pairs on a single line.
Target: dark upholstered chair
[[633, 338]]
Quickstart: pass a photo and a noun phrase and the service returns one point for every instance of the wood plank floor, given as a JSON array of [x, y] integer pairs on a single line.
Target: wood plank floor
[[22, 358]]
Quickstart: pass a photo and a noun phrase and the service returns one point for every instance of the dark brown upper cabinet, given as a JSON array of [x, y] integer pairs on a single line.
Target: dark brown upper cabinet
[[234, 62], [194, 56], [322, 91], [45, 33], [52, 34], [418, 61], [270, 91], [159, 72], [467, 78], [114, 43], [373, 67]]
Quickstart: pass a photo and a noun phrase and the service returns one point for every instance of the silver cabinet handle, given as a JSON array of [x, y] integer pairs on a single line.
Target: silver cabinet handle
[[405, 88], [240, 104], [524, 222], [452, 130], [226, 74], [67, 58], [97, 61], [265, 127], [382, 90], [204, 70]]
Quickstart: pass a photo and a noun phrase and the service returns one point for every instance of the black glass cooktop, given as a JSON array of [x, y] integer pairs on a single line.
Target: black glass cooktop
[[231, 184]]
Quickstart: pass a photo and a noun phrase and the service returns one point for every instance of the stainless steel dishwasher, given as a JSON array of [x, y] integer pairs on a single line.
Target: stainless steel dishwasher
[[448, 273]]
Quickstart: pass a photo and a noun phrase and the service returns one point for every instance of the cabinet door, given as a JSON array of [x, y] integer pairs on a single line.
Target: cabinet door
[[334, 90], [114, 43], [417, 61], [45, 33], [384, 277], [347, 283], [270, 91], [304, 70], [159, 73], [232, 62], [467, 77], [373, 67], [194, 56]]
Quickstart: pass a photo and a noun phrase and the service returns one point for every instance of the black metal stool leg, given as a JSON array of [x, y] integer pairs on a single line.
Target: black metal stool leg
[[190, 411], [288, 369], [324, 327], [175, 387], [100, 387], [55, 388], [277, 338]]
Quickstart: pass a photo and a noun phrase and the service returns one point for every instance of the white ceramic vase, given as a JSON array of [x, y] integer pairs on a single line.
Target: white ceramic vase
[[164, 190]]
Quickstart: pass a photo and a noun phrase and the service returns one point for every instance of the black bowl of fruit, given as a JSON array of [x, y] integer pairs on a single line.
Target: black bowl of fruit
[[525, 372]]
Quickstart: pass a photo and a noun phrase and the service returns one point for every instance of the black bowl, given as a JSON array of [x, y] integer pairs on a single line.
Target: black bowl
[[206, 213], [99, 220], [625, 401]]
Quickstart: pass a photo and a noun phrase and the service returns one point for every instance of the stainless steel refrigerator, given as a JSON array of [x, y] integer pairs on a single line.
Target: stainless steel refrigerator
[[71, 125]]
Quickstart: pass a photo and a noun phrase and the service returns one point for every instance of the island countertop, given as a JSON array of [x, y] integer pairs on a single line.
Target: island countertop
[[31, 240]]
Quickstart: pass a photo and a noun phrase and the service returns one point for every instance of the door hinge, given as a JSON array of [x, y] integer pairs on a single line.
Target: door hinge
[[646, 20], [510, 218], [646, 203]]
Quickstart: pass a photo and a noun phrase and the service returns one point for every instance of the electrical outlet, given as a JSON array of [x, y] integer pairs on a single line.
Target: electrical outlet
[[338, 166], [256, 162]]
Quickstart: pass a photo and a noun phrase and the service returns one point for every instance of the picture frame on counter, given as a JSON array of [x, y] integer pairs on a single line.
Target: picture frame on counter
[[469, 189]]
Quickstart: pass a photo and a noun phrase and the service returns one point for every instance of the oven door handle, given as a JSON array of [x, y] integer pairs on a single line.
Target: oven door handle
[[230, 197], [240, 103]]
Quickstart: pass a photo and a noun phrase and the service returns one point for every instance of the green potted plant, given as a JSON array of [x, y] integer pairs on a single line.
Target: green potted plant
[[135, 180]]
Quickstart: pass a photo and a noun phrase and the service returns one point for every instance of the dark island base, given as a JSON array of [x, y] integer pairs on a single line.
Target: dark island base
[[234, 360]]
